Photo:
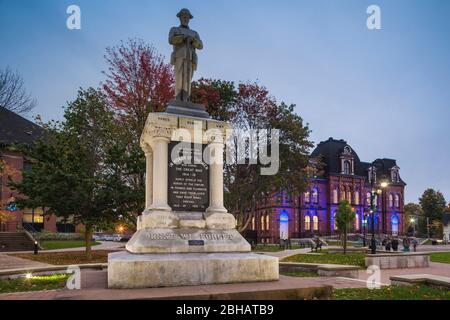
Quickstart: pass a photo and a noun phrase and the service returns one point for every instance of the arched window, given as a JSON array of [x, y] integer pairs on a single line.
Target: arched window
[[307, 223], [349, 195], [334, 222], [262, 223], [347, 167], [316, 223], [394, 225], [306, 196], [253, 223], [356, 221], [391, 200], [343, 193], [368, 195], [267, 222], [357, 197], [315, 195], [335, 196], [397, 201]]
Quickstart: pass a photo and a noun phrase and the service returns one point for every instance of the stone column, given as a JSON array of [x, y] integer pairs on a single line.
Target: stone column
[[216, 215], [148, 175], [160, 146]]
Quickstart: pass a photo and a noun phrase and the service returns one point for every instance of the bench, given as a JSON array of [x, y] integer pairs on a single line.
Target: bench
[[427, 279], [325, 270]]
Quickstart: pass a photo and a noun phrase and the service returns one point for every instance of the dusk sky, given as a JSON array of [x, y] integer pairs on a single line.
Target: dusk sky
[[386, 92]]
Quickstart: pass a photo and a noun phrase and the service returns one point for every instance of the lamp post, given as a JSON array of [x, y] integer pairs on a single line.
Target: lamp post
[[364, 229], [412, 221], [373, 196]]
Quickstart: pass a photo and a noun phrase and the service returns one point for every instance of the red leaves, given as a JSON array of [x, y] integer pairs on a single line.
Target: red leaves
[[138, 80]]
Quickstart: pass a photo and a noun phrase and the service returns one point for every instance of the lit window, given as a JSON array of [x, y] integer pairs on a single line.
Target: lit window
[[335, 196], [349, 196], [306, 196], [334, 221], [391, 200], [357, 197], [315, 195], [307, 223], [368, 199], [397, 201], [267, 223], [315, 223], [262, 223], [356, 221], [343, 194], [253, 223]]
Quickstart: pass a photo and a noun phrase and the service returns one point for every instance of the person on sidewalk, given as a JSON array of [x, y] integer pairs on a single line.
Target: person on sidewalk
[[406, 244], [387, 245], [394, 243], [415, 243]]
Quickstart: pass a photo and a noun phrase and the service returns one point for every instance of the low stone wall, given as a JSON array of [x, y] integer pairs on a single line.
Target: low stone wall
[[324, 270], [398, 260]]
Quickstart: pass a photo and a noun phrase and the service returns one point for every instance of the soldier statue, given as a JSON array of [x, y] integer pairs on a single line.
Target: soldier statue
[[184, 58]]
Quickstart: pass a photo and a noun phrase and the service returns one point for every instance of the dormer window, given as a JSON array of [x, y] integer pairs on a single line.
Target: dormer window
[[395, 177], [372, 174], [347, 167]]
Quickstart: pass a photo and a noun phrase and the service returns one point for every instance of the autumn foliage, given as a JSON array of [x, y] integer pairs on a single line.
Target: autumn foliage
[[138, 81]]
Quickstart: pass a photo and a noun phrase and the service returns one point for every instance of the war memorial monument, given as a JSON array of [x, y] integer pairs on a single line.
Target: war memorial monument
[[185, 236]]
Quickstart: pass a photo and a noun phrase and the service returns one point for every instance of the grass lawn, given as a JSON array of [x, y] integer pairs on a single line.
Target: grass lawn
[[37, 283], [65, 258], [392, 293], [351, 258], [64, 244], [442, 257], [301, 274]]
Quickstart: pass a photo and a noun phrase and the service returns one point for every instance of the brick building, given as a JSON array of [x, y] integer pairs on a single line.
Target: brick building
[[15, 129], [344, 176]]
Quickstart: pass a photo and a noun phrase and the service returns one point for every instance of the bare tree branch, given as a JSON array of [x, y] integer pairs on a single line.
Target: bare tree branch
[[13, 95]]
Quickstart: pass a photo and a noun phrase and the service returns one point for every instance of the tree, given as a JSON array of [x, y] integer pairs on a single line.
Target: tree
[[433, 205], [217, 96], [413, 211], [252, 108], [344, 219], [79, 168], [138, 82], [13, 95]]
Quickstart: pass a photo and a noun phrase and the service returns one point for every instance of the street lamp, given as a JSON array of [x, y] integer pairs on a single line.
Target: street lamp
[[412, 221], [364, 229], [373, 194]]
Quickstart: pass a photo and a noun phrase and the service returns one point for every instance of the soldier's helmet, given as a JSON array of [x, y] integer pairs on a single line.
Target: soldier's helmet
[[185, 11]]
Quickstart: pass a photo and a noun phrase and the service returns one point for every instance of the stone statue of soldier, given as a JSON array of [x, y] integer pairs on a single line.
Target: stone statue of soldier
[[184, 58]]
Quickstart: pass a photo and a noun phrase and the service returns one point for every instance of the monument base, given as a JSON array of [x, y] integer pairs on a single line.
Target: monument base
[[127, 270]]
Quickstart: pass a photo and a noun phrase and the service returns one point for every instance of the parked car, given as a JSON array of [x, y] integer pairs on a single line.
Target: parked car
[[121, 237]]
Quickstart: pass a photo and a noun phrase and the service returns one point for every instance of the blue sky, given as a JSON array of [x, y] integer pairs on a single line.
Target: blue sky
[[386, 92]]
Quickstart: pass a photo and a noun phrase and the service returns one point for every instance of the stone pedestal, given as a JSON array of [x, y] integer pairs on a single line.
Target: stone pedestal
[[185, 235]]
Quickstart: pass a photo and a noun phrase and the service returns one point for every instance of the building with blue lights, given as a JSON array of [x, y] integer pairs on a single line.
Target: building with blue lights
[[344, 176]]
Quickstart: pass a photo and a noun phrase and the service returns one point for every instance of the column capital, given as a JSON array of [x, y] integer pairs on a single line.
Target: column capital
[[146, 148], [158, 132]]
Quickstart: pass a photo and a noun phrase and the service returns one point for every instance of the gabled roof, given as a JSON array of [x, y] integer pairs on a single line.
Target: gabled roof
[[16, 129]]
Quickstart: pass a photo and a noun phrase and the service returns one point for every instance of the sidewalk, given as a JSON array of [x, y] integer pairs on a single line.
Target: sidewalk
[[9, 262], [94, 287]]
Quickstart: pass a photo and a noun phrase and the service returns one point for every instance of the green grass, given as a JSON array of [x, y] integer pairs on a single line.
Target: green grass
[[351, 258], [64, 244], [37, 283], [442, 257], [301, 274], [392, 293]]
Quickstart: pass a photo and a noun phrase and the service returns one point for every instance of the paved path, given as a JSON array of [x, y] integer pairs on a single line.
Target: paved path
[[94, 286], [9, 262]]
